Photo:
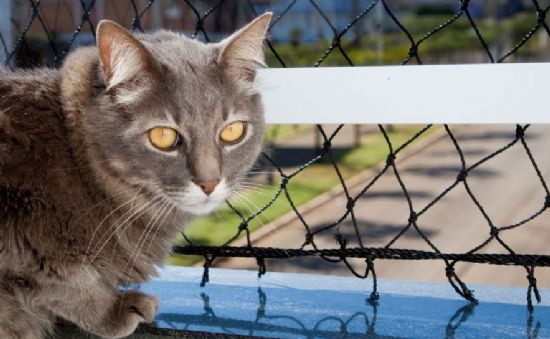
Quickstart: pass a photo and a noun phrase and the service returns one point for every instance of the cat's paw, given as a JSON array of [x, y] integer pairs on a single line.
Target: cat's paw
[[145, 306], [132, 308]]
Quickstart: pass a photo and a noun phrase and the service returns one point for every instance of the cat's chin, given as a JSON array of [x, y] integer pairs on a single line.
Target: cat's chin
[[200, 208]]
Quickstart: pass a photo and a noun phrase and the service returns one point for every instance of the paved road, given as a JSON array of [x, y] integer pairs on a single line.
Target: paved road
[[506, 186]]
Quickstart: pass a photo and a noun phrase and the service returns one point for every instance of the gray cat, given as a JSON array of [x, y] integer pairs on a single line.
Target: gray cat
[[104, 160]]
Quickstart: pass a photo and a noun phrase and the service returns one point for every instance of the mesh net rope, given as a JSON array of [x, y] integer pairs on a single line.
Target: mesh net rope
[[343, 251]]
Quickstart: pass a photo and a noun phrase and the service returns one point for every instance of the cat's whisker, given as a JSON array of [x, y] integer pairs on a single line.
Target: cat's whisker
[[155, 201], [86, 269], [135, 215], [256, 188], [159, 218], [218, 215], [130, 223], [98, 204], [253, 183], [163, 203], [174, 190], [177, 195], [264, 188], [265, 191], [253, 190], [113, 228], [155, 186], [172, 206], [138, 195], [258, 208], [158, 225], [155, 204], [271, 233], [246, 200], [240, 201], [128, 212], [264, 195]]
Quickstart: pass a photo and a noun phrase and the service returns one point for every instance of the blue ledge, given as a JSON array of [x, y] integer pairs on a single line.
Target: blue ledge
[[286, 305]]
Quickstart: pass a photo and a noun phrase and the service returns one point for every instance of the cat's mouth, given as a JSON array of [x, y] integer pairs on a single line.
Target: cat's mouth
[[196, 202]]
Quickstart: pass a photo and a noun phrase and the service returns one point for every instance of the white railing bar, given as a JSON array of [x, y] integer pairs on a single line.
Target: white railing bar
[[454, 94]]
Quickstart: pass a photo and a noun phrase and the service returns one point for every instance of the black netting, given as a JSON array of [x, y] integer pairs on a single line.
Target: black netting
[[38, 41]]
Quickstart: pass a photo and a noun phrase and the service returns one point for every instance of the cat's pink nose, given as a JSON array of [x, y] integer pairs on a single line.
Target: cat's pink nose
[[208, 186]]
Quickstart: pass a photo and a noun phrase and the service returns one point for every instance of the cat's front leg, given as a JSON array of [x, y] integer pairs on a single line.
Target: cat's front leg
[[107, 313]]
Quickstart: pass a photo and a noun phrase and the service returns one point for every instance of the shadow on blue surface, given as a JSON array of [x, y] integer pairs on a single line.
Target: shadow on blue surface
[[295, 313]]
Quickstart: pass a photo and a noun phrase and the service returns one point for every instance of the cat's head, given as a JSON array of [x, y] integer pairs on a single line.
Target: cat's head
[[175, 116]]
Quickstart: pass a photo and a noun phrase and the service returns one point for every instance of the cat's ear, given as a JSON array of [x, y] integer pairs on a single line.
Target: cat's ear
[[123, 58], [242, 52]]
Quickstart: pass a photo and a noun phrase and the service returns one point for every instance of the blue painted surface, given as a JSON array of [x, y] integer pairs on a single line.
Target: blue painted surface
[[307, 306]]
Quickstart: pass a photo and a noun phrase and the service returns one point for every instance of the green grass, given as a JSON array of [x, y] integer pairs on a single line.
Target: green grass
[[217, 228]]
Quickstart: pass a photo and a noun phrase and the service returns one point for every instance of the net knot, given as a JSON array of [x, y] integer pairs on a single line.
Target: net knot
[[373, 299], [370, 263], [390, 160], [469, 295], [243, 226], [547, 201], [309, 239], [541, 15], [326, 146], [494, 231], [413, 217], [350, 204], [199, 24], [520, 132], [462, 175], [137, 23], [341, 240], [413, 50], [449, 271], [284, 181]]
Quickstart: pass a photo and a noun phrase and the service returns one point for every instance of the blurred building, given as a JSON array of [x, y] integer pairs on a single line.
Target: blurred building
[[53, 24], [56, 21], [62, 17], [303, 21]]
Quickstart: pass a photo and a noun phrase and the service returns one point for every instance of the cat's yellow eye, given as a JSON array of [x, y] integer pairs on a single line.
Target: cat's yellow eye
[[233, 132], [164, 138]]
